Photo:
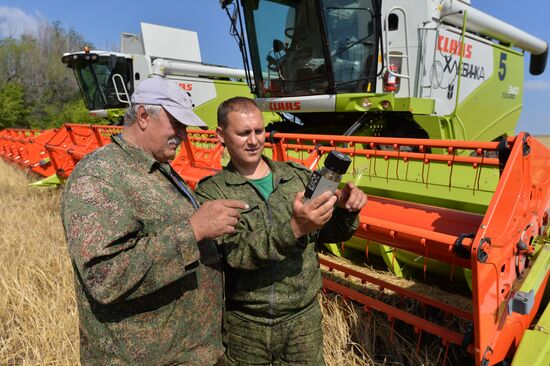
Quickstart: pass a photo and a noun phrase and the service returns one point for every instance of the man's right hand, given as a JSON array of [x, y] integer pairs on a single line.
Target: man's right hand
[[308, 217], [216, 218]]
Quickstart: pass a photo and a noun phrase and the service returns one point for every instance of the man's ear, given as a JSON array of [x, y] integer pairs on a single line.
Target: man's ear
[[219, 135], [142, 118]]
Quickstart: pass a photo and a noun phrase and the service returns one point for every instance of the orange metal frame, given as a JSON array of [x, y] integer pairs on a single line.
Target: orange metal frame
[[515, 213], [73, 141], [27, 148]]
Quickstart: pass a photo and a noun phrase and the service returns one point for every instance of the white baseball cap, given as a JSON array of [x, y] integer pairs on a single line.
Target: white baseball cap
[[159, 91]]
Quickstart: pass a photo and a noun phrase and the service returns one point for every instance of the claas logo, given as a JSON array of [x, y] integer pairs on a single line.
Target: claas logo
[[186, 87], [454, 47], [285, 106]]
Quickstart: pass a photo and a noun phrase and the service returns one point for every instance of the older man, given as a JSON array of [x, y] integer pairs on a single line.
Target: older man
[[273, 276], [148, 278]]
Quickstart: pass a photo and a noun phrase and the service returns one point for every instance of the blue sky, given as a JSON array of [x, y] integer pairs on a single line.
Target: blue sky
[[102, 21]]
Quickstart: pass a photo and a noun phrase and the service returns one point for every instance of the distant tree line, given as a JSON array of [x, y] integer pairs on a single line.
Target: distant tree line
[[36, 89]]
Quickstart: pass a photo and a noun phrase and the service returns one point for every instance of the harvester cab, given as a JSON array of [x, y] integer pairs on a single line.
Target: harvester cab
[[397, 68], [105, 79], [108, 79]]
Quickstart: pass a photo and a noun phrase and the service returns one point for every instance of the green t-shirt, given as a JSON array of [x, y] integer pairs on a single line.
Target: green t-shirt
[[264, 185]]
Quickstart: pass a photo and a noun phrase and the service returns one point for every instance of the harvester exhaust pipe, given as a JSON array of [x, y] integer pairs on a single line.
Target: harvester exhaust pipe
[[537, 63], [482, 23]]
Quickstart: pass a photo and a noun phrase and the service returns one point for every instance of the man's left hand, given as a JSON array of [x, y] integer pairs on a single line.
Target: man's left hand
[[351, 198]]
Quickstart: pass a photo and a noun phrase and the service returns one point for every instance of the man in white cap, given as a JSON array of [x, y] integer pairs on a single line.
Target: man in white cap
[[148, 278]]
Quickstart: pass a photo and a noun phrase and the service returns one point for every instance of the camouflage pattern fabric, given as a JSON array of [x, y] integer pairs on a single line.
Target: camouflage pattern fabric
[[296, 341], [147, 292], [270, 275]]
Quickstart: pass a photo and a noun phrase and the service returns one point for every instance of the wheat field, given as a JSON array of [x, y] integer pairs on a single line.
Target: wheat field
[[38, 316]]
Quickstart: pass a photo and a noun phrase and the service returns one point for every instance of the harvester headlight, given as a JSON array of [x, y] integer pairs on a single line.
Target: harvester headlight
[[385, 104], [366, 103]]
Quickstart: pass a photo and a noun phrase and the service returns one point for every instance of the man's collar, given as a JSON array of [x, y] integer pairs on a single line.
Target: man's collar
[[140, 157]]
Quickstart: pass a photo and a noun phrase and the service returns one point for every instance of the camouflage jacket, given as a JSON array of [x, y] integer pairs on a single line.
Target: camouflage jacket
[[270, 275], [147, 292]]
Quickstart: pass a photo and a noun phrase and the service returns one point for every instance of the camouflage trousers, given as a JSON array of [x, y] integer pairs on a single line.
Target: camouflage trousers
[[296, 341]]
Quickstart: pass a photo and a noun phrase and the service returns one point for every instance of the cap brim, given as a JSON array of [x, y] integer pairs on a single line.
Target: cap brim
[[186, 117]]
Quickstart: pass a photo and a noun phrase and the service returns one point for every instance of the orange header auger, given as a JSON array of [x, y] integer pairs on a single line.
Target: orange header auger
[[471, 212]]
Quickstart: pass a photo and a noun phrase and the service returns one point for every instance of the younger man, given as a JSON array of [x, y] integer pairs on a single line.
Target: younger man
[[272, 269]]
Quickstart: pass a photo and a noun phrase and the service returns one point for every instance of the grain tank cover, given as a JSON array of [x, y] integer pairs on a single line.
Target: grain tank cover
[[170, 43]]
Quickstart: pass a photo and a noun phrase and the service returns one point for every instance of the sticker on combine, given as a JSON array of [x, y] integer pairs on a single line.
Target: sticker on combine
[[477, 67], [511, 92], [470, 71]]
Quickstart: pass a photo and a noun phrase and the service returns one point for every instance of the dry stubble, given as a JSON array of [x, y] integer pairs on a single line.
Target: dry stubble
[[38, 316]]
